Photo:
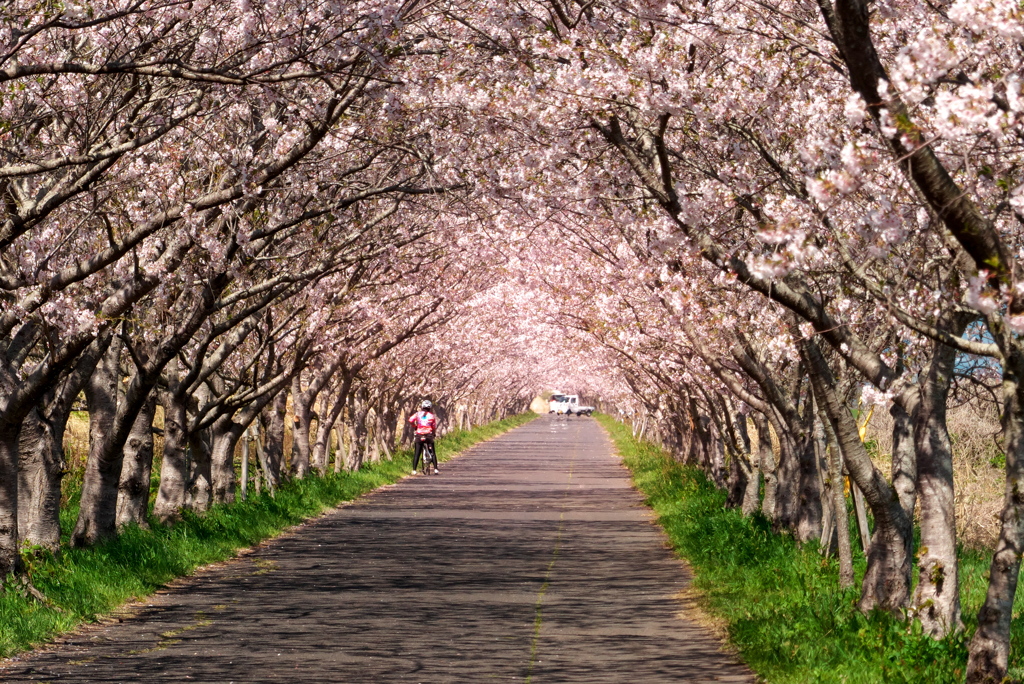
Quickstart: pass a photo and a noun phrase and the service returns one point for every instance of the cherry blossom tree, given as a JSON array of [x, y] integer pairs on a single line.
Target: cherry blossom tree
[[727, 224]]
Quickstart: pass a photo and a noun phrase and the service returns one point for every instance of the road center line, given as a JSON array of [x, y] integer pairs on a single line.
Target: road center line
[[538, 619]]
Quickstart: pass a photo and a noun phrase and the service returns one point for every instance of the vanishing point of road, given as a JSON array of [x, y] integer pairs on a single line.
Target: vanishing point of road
[[530, 559]]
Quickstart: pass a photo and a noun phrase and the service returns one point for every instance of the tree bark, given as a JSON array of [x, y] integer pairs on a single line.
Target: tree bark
[[96, 517], [808, 524], [752, 490], [359, 431], [733, 428], [40, 471], [787, 493], [860, 513], [989, 652], [172, 496], [261, 458], [886, 583], [41, 464], [766, 463], [736, 488], [340, 454], [243, 490], [321, 448], [136, 469], [936, 601], [304, 402], [258, 476], [798, 503], [10, 557], [695, 452], [300, 433], [904, 459], [752, 494], [225, 434], [841, 519], [272, 421], [201, 481], [150, 361]]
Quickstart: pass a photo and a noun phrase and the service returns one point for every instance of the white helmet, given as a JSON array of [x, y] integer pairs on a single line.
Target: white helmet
[[426, 404]]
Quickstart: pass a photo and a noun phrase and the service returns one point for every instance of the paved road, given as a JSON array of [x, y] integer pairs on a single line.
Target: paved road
[[530, 559]]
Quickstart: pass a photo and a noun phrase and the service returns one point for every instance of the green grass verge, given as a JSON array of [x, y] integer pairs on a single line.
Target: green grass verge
[[781, 603], [81, 584]]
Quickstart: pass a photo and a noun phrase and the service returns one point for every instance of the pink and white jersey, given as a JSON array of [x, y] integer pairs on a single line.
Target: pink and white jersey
[[424, 421]]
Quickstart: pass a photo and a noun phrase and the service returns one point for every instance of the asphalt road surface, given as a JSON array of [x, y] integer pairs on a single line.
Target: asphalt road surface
[[529, 559]]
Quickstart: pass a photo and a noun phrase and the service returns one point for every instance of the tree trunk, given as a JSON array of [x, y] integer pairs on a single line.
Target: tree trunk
[[10, 558], [42, 465], [136, 469], [261, 457], [258, 478], [886, 583], [172, 496], [300, 432], [860, 513], [798, 502], [717, 451], [694, 454], [201, 482], [788, 490], [387, 433], [351, 450], [322, 446], [752, 494], [372, 440], [40, 471], [225, 434], [96, 517], [936, 601], [904, 459], [740, 469], [358, 450], [767, 466], [990, 647], [359, 434], [808, 523], [840, 519], [709, 451], [737, 484], [243, 489], [829, 538], [749, 466], [358, 444], [272, 421], [340, 455]]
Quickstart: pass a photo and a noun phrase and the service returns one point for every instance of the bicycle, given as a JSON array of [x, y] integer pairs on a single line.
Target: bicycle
[[429, 456]]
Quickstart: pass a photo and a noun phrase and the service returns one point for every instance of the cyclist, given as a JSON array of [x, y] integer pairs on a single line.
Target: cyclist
[[425, 423]]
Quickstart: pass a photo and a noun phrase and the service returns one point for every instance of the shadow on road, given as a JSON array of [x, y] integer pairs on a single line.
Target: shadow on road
[[528, 558]]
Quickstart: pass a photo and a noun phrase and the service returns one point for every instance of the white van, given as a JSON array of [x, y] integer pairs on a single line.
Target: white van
[[568, 403]]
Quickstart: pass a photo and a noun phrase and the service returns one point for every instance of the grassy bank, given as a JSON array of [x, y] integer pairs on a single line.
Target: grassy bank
[[81, 584], [781, 604]]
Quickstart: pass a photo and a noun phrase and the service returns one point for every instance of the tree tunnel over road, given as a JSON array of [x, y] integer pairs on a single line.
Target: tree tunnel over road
[[713, 218]]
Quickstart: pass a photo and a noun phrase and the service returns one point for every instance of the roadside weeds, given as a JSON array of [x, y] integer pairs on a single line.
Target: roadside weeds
[[780, 603]]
